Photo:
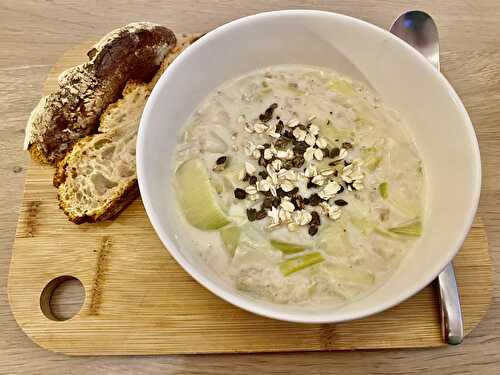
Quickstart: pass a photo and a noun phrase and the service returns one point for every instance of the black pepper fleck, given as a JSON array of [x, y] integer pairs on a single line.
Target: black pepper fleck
[[340, 202], [313, 229], [221, 160], [298, 202], [315, 199], [240, 193], [252, 180], [334, 152], [300, 148], [315, 220], [268, 113], [311, 185], [261, 214], [252, 214]]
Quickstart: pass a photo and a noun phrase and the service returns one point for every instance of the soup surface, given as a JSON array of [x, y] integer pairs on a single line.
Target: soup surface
[[298, 186]]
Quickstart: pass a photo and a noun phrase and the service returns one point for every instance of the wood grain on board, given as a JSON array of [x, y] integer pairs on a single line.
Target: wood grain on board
[[139, 301]]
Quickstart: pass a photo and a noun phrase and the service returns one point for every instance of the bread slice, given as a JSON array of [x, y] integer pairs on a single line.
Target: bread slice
[[97, 178], [134, 51]]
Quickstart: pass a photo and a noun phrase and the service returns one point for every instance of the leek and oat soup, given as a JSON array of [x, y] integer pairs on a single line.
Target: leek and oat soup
[[298, 186]]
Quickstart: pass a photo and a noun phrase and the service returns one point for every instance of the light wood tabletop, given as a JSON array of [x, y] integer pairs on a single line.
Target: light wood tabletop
[[35, 33]]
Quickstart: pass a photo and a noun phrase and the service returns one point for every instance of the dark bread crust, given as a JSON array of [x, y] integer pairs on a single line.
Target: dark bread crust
[[132, 52]]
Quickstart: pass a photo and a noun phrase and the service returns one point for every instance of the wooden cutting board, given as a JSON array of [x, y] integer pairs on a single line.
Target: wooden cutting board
[[138, 300]]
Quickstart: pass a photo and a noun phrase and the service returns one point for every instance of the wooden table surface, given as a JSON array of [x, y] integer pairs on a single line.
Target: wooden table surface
[[33, 34]]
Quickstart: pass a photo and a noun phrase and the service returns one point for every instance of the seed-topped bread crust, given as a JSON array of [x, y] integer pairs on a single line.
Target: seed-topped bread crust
[[134, 51]]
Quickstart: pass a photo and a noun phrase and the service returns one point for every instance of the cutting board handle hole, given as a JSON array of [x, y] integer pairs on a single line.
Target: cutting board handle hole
[[62, 298]]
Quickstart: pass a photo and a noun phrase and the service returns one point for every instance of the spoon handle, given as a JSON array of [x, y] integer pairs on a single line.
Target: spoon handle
[[452, 323], [419, 26], [451, 311]]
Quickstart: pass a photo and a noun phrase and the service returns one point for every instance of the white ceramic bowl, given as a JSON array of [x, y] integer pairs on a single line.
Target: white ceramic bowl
[[405, 81]]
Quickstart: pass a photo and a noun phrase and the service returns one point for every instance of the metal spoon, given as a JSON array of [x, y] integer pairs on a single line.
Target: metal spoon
[[418, 29]]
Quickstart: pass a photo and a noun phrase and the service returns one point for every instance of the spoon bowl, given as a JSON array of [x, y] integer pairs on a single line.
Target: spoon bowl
[[419, 30]]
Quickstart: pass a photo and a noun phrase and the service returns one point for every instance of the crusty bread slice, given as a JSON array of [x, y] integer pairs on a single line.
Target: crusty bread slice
[[134, 51], [97, 178]]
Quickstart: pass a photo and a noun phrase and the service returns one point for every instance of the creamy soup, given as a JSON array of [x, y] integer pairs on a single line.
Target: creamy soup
[[298, 186]]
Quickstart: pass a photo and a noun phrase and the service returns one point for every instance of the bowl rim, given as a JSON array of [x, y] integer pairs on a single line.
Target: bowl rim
[[252, 305]]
